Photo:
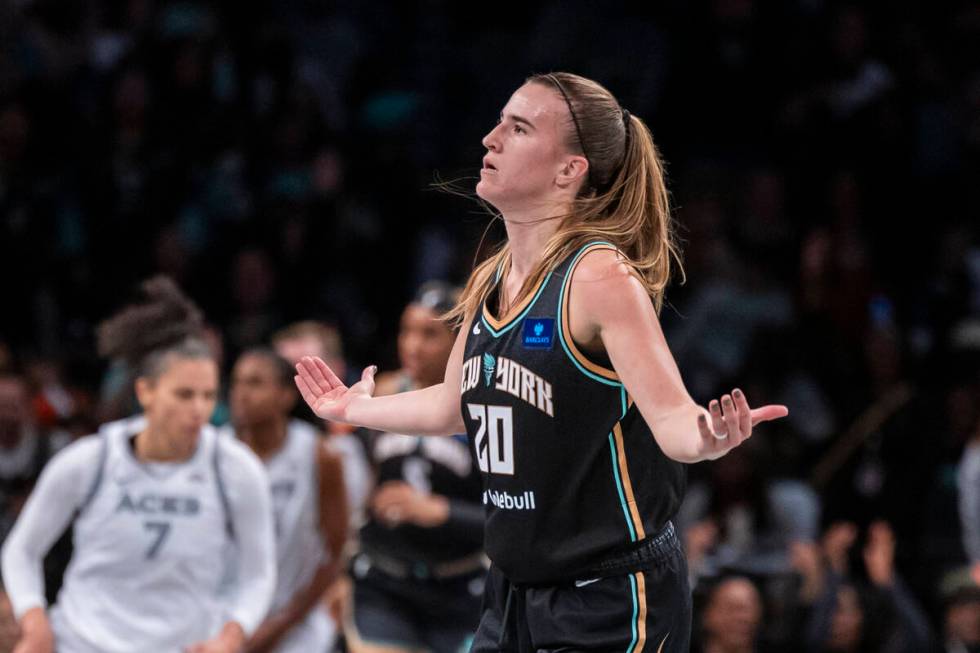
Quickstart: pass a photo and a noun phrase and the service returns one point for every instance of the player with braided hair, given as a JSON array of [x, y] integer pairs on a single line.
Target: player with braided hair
[[157, 500]]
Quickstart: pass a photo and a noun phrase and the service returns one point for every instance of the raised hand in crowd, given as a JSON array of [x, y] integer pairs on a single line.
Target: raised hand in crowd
[[879, 554], [836, 544]]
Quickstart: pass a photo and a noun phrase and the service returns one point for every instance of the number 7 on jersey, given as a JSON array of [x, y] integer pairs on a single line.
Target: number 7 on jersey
[[161, 529]]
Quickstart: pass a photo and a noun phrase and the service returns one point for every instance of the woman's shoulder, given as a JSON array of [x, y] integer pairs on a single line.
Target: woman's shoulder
[[78, 463], [84, 450], [235, 456], [604, 279], [602, 262]]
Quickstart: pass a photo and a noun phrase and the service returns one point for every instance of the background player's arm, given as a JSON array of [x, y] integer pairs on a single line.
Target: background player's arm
[[431, 411], [610, 306], [333, 526], [47, 513], [251, 516]]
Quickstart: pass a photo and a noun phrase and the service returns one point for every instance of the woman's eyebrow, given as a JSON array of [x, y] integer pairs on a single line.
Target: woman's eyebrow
[[517, 119]]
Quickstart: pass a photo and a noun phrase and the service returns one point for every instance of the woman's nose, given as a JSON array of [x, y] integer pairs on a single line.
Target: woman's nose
[[490, 141]]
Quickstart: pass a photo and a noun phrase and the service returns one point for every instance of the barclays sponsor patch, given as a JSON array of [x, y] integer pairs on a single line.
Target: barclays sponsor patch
[[539, 332]]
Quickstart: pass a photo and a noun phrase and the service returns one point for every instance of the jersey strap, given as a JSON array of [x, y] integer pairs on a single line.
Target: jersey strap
[[99, 473], [219, 481], [589, 368]]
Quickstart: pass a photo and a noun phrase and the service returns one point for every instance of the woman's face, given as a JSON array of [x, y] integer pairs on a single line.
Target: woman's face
[[257, 395], [733, 615], [424, 345], [526, 153], [179, 401]]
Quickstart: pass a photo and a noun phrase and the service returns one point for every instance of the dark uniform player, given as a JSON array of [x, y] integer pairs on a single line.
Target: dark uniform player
[[578, 493], [419, 574], [419, 586], [569, 390]]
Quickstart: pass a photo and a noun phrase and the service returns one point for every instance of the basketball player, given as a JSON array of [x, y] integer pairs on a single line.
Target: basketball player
[[316, 339], [309, 503], [157, 501], [419, 574], [563, 379]]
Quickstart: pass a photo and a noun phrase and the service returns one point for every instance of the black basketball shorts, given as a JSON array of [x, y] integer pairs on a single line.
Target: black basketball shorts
[[635, 603]]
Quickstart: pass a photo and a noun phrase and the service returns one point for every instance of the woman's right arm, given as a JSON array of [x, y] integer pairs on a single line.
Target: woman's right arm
[[45, 516], [431, 411]]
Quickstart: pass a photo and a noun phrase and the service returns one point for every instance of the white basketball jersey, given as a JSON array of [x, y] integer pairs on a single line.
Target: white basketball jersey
[[294, 484], [149, 553]]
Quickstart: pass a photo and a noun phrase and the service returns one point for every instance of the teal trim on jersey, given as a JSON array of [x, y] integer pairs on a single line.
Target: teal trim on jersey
[[561, 331], [636, 612], [516, 320], [622, 396], [619, 487]]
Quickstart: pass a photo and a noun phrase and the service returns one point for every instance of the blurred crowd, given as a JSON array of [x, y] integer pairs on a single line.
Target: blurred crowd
[[278, 160]]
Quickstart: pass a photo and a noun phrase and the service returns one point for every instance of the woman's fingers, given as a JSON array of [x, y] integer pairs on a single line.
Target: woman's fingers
[[744, 412], [706, 432], [768, 413], [703, 426], [730, 417], [321, 374], [367, 378], [327, 373], [717, 420], [314, 378], [729, 421], [309, 395]]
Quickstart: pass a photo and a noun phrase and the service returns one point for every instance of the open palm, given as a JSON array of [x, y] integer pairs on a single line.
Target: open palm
[[325, 393]]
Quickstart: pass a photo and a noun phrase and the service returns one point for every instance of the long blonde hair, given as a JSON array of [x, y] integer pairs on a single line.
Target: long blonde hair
[[624, 200]]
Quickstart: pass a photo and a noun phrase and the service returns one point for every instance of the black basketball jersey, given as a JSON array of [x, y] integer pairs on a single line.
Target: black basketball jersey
[[571, 470], [436, 465]]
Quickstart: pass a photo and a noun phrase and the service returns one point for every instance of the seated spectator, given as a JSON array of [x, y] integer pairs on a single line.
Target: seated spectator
[[732, 616], [961, 613], [880, 615], [744, 519]]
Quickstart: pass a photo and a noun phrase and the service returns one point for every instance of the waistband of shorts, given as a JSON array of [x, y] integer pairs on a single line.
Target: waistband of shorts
[[419, 570], [650, 552]]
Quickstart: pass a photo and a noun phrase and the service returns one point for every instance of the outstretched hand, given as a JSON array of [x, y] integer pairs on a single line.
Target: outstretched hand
[[325, 393], [731, 423]]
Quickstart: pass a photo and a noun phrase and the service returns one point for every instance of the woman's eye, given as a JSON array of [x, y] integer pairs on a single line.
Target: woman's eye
[[518, 129]]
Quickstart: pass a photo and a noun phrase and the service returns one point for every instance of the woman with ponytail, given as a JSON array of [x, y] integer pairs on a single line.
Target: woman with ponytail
[[156, 501], [562, 377]]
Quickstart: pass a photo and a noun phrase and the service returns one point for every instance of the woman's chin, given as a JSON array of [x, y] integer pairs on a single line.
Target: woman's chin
[[485, 192]]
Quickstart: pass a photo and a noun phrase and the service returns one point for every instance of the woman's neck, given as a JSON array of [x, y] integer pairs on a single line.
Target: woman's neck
[[527, 235], [151, 446], [265, 438]]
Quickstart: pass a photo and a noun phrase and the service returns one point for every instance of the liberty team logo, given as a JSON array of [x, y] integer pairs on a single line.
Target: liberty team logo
[[489, 364], [538, 333]]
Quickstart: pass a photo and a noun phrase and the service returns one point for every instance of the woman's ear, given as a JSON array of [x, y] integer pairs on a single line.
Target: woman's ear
[[145, 389], [573, 172]]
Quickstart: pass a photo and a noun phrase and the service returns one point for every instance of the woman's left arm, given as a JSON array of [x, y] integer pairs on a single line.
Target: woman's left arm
[[609, 304]]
